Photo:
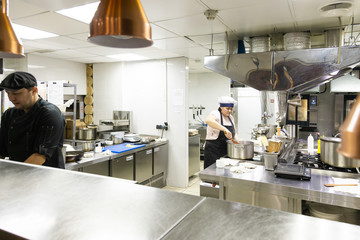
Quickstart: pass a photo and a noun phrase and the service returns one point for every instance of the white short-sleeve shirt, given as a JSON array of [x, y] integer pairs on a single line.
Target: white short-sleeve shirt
[[212, 133]]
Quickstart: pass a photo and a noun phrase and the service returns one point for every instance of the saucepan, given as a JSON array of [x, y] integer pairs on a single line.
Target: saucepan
[[74, 156], [87, 133]]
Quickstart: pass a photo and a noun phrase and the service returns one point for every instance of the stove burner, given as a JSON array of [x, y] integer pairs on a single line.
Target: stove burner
[[314, 161]]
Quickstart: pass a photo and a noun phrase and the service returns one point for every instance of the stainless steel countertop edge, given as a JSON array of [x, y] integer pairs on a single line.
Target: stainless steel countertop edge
[[101, 158]]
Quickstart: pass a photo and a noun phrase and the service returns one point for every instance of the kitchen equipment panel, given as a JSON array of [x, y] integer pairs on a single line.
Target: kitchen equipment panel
[[143, 165], [123, 167]]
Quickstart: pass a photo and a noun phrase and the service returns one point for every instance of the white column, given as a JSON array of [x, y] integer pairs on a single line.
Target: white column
[[177, 115]]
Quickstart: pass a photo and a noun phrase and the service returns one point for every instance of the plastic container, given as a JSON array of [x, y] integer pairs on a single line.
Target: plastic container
[[278, 129], [310, 144]]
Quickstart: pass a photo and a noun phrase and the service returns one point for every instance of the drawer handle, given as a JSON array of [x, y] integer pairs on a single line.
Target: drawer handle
[[129, 158], [156, 149], [149, 151]]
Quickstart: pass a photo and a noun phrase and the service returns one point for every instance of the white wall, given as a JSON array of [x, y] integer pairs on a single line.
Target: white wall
[[51, 69], [249, 111], [139, 87], [205, 89], [144, 93], [107, 85], [155, 91]]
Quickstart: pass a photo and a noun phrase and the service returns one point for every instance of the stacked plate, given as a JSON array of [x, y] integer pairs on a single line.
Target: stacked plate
[[326, 212]]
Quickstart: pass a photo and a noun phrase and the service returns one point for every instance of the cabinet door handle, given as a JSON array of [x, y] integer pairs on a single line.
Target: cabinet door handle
[[156, 149], [149, 151], [129, 158]]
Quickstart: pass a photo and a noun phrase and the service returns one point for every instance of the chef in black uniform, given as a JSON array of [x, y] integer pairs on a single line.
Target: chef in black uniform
[[220, 128], [33, 130]]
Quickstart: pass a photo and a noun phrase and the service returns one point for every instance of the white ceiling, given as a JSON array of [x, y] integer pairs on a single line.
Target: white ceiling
[[179, 27]]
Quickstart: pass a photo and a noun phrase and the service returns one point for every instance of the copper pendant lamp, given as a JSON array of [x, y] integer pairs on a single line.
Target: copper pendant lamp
[[350, 133], [10, 45], [120, 24]]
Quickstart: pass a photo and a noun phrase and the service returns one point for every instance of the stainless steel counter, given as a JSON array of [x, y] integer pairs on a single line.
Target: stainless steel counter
[[100, 158], [260, 186], [215, 219], [47, 203]]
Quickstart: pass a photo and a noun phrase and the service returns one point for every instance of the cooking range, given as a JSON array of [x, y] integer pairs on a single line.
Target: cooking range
[[314, 161]]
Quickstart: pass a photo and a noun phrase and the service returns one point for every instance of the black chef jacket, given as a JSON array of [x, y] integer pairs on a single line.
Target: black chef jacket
[[41, 130]]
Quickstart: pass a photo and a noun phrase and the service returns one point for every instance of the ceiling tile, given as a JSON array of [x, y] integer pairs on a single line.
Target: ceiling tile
[[193, 25], [58, 43], [161, 33], [159, 10], [173, 43], [54, 23], [58, 4], [17, 7], [206, 39]]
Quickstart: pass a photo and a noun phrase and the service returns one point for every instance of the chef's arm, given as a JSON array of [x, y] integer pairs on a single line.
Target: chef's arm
[[36, 158], [211, 121]]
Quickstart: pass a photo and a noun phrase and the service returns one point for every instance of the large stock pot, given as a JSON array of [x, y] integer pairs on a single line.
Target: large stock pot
[[242, 150], [329, 154]]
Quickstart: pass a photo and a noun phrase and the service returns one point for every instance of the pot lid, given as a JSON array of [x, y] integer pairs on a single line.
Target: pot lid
[[331, 139]]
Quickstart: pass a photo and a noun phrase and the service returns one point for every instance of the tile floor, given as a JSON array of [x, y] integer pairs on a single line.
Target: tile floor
[[194, 184]]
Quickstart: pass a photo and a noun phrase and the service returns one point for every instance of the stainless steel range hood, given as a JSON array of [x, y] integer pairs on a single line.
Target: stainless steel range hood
[[294, 71]]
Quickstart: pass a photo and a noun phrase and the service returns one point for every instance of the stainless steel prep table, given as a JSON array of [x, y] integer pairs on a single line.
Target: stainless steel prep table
[[216, 219], [47, 203], [101, 158], [261, 188]]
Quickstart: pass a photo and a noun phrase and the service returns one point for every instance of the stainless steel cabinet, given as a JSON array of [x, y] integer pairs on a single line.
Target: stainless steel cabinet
[[160, 164], [143, 165], [101, 168], [123, 167], [160, 159], [194, 154]]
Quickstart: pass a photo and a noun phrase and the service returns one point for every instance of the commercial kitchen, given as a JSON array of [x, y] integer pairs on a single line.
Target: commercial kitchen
[[135, 119]]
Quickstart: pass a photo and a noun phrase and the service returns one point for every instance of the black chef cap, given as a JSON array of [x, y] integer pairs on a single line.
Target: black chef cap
[[18, 80]]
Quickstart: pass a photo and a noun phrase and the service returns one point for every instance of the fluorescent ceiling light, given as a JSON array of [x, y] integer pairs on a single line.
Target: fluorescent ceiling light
[[83, 13], [9, 70], [35, 66], [128, 57], [31, 33]]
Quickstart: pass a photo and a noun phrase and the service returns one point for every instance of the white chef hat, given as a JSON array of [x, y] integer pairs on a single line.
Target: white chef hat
[[226, 101]]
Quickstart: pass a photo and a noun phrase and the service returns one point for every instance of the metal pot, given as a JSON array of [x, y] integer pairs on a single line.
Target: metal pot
[[117, 137], [87, 133], [87, 146], [329, 154], [243, 150]]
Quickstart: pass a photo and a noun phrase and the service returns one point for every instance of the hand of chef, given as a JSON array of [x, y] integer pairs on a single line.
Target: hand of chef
[[228, 134]]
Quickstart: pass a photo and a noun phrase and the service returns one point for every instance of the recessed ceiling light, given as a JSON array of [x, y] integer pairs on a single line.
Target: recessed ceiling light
[[31, 33], [128, 57], [83, 13]]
